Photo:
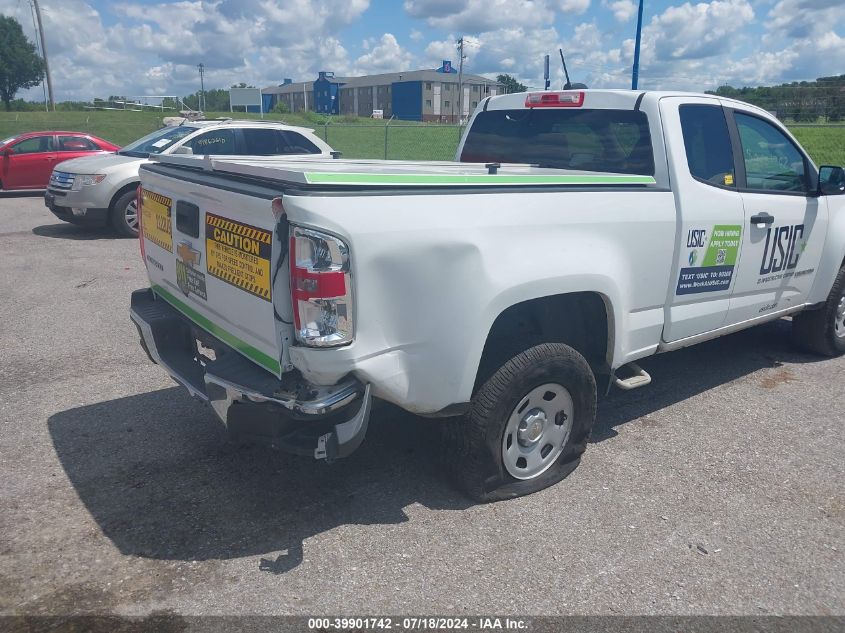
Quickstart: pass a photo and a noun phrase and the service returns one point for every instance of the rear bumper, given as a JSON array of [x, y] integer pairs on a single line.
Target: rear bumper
[[293, 415]]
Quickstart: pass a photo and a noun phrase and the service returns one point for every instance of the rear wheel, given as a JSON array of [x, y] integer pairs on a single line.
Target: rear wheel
[[527, 427], [823, 331], [124, 215]]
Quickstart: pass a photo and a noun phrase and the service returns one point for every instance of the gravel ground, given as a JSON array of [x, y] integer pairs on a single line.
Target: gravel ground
[[716, 490]]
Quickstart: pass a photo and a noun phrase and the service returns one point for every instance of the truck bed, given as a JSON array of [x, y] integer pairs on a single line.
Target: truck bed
[[328, 173]]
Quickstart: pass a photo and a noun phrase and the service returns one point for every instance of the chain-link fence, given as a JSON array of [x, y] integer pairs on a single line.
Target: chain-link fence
[[387, 140], [393, 140]]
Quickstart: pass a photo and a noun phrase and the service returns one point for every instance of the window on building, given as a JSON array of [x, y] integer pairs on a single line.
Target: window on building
[[428, 103], [446, 103], [428, 86], [707, 143], [475, 104]]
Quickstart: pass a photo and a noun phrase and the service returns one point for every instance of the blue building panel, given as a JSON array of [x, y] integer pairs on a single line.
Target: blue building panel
[[406, 100], [326, 94]]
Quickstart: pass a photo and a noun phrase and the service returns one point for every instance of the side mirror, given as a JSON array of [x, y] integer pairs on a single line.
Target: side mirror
[[184, 150], [831, 181]]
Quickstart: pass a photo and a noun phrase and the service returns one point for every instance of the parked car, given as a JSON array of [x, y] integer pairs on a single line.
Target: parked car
[[100, 190], [288, 294], [26, 160]]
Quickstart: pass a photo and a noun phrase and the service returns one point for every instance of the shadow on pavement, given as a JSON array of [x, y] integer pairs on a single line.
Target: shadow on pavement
[[156, 474], [22, 193], [73, 232], [679, 375]]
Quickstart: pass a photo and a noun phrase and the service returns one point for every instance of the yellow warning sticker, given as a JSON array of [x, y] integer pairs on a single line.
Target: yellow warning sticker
[[238, 254], [155, 216], [729, 179]]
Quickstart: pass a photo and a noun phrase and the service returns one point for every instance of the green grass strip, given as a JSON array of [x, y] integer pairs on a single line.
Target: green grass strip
[[339, 178], [256, 355]]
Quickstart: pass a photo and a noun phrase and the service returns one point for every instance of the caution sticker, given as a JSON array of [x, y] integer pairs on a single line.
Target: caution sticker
[[155, 215], [238, 254]]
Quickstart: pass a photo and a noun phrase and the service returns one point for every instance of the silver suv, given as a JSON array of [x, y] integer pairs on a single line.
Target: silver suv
[[100, 190]]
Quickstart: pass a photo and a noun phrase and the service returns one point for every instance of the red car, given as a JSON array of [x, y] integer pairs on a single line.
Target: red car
[[28, 159]]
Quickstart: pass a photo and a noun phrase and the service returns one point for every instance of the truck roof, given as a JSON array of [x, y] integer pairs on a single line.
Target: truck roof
[[603, 98], [327, 172]]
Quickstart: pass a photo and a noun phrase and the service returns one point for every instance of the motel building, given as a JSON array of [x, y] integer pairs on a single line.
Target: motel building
[[415, 95]]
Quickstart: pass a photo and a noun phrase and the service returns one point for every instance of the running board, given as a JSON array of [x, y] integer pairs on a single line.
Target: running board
[[639, 377]]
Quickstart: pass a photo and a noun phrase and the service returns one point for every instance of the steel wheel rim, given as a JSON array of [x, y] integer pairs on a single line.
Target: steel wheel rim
[[839, 323], [537, 430], [130, 215]]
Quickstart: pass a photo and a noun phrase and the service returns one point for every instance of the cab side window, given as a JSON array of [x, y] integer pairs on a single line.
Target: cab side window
[[33, 145], [708, 144], [772, 162], [215, 142]]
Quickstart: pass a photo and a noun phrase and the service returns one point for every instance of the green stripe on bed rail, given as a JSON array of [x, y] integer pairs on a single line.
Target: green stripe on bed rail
[[340, 178]]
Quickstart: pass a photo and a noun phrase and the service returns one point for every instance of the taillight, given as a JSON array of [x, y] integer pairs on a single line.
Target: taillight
[[554, 100], [321, 288], [139, 200]]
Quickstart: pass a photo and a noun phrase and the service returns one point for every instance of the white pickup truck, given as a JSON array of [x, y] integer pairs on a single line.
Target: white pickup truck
[[579, 232]]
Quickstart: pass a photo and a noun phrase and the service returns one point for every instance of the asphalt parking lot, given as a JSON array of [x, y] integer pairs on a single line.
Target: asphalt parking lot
[[717, 490]]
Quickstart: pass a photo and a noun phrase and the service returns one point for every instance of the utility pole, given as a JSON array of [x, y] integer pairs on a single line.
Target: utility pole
[[44, 52], [635, 74], [461, 78], [201, 100]]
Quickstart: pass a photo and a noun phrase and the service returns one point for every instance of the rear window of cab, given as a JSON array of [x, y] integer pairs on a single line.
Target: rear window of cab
[[617, 141]]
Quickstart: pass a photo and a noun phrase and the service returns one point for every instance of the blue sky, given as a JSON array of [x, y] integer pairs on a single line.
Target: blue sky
[[142, 47]]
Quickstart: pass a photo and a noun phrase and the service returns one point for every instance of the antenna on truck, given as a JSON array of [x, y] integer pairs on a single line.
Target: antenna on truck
[[568, 85]]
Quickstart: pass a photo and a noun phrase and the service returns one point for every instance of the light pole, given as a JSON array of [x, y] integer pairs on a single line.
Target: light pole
[[44, 52], [201, 100], [635, 74], [461, 79]]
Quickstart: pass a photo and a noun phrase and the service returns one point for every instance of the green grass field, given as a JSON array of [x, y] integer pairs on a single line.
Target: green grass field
[[363, 138]]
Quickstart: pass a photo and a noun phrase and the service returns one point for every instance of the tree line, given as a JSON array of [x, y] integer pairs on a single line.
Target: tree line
[[800, 101]]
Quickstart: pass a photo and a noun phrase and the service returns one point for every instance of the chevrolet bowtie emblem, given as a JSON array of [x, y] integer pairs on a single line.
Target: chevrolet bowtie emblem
[[187, 254]]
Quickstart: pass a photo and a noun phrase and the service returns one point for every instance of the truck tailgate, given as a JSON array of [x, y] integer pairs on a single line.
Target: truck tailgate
[[213, 254]]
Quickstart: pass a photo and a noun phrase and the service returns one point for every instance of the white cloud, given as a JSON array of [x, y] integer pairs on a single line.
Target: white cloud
[[623, 10], [473, 16], [695, 31], [384, 55], [572, 6]]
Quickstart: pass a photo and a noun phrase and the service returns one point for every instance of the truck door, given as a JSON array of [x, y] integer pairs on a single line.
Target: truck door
[[784, 228], [710, 215]]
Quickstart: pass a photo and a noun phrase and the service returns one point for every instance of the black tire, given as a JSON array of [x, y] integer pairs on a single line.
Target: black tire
[[815, 331], [118, 215], [473, 444]]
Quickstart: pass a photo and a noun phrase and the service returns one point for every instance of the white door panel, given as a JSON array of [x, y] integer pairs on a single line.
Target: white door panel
[[784, 230], [710, 216]]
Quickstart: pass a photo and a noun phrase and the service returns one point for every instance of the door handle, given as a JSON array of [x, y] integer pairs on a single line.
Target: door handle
[[761, 220]]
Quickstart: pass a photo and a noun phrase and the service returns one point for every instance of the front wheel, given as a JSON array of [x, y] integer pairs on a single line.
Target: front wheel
[[124, 215], [527, 427], [823, 331]]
